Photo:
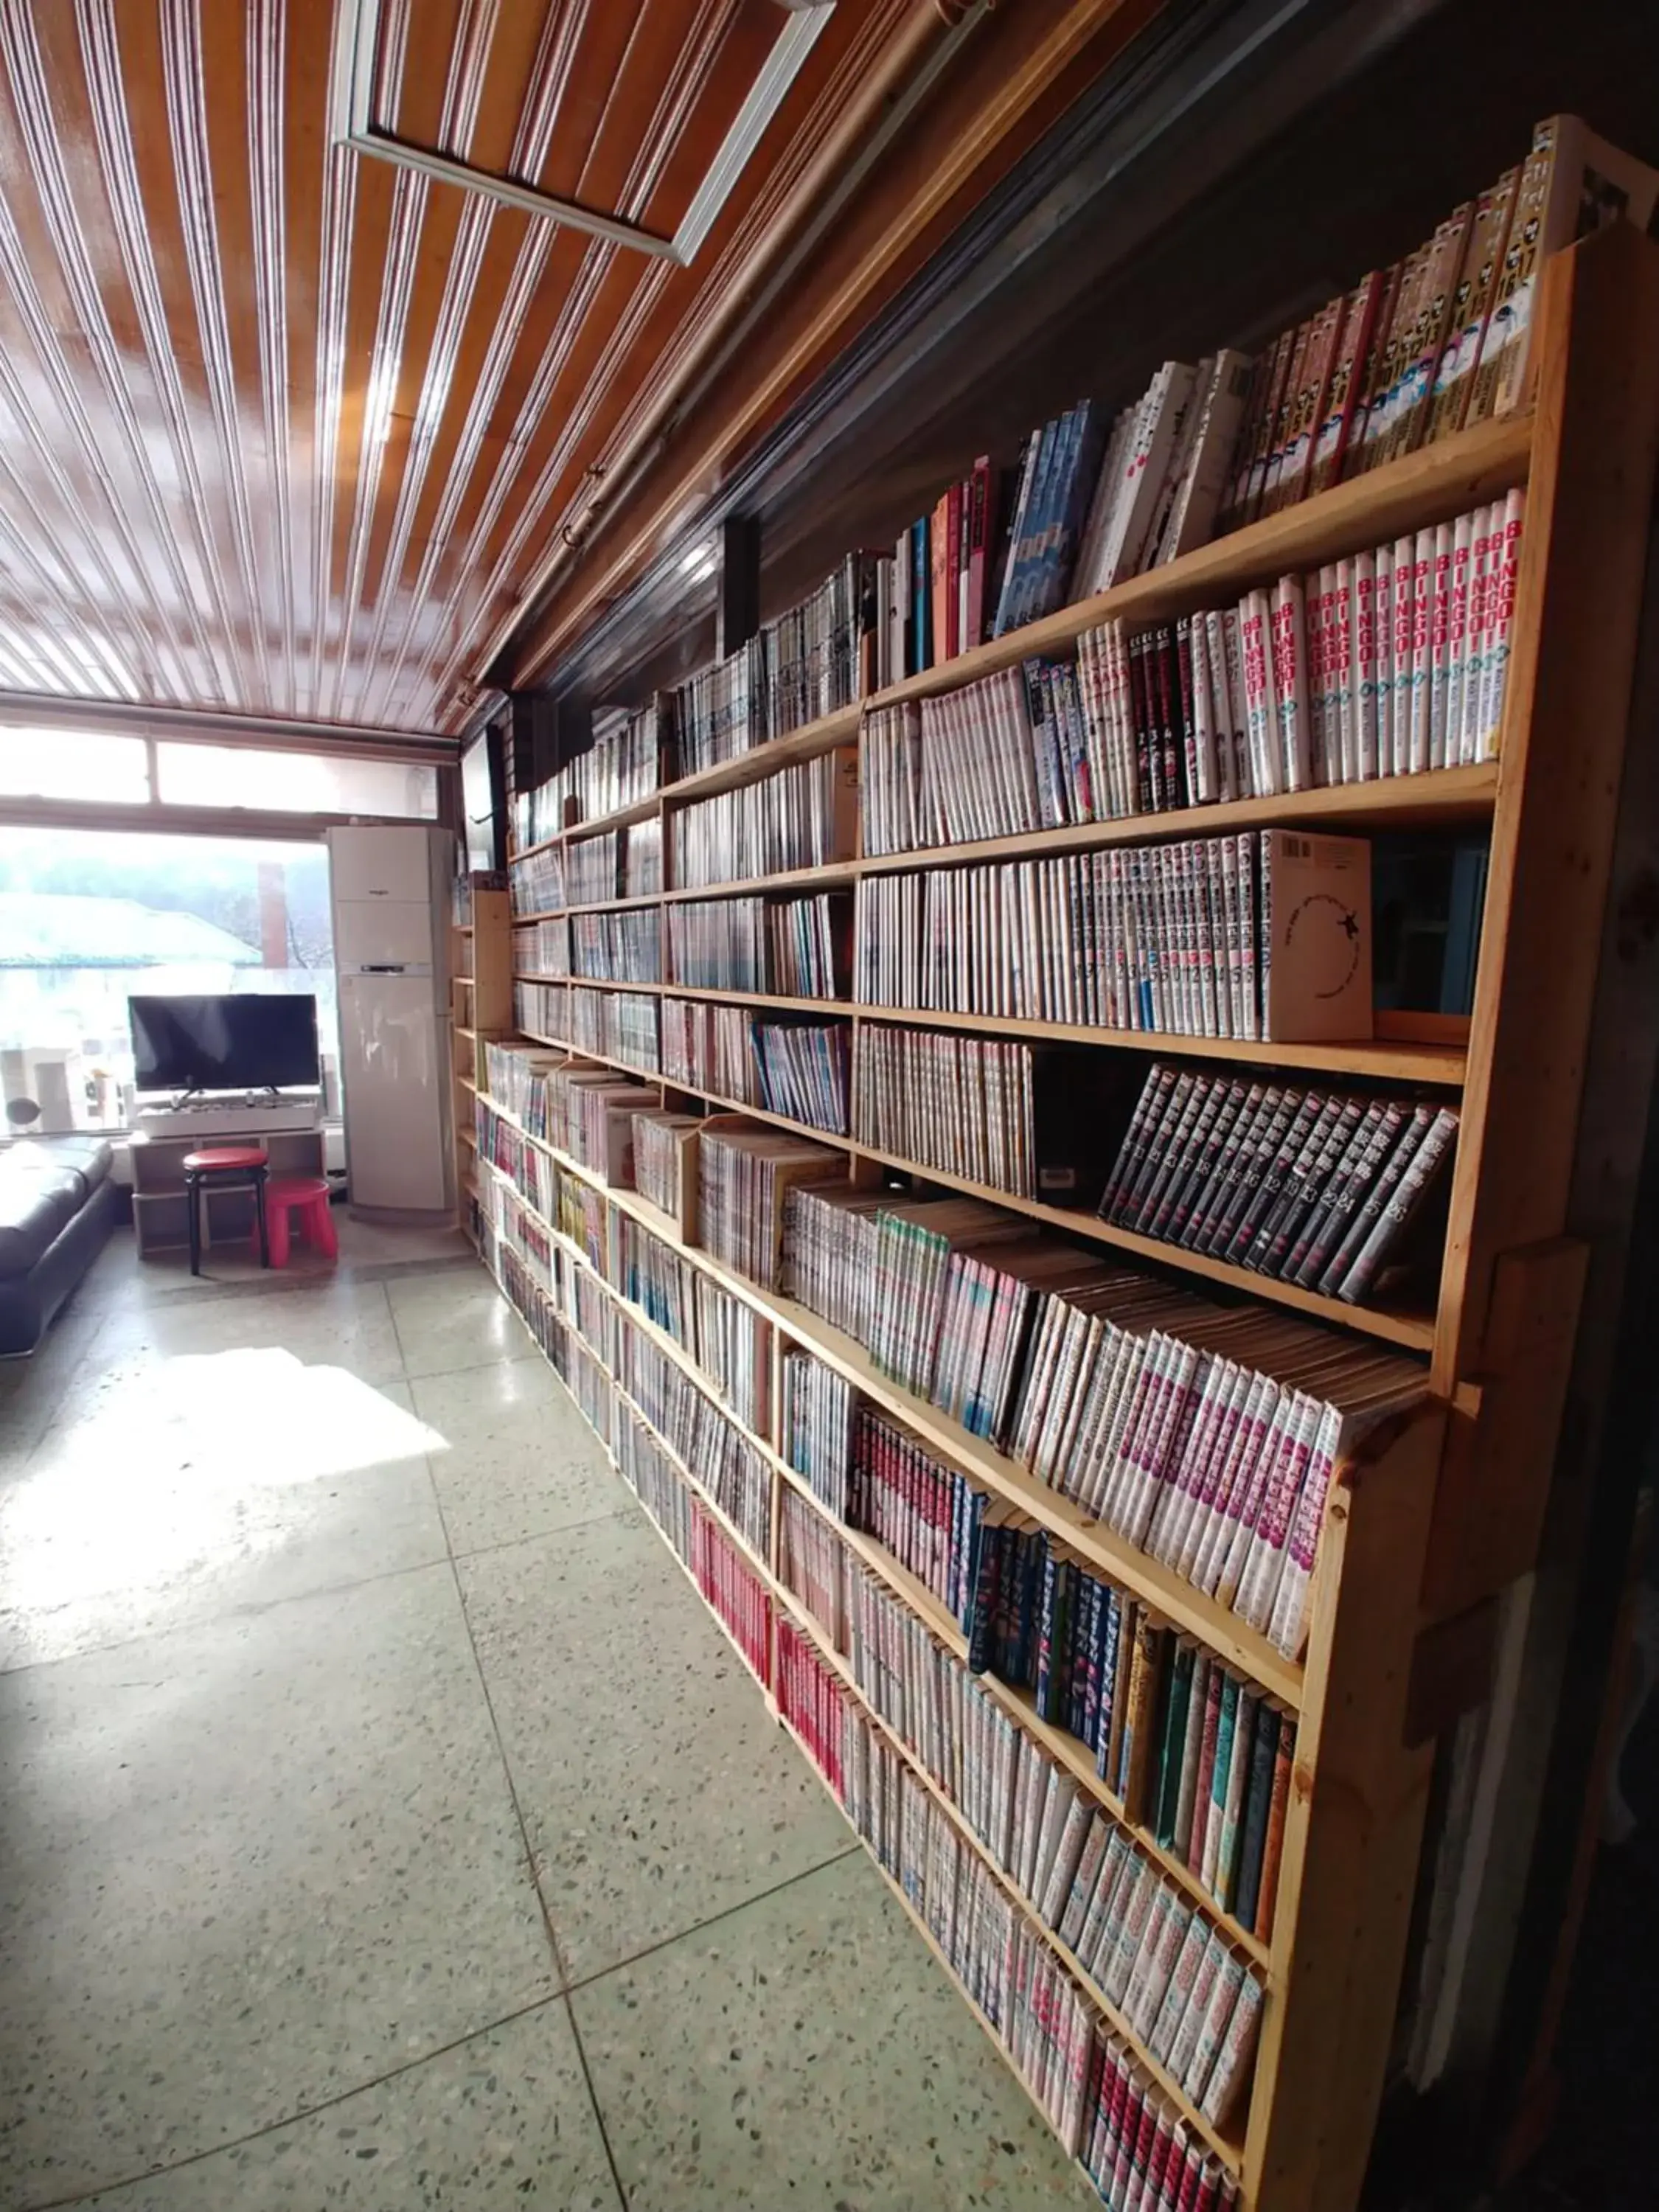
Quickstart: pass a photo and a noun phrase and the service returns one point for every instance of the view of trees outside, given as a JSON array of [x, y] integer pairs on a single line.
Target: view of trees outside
[[88, 917]]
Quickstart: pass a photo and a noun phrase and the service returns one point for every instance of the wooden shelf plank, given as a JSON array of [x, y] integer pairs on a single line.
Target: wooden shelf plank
[[1396, 802], [1403, 1059], [1412, 1332]]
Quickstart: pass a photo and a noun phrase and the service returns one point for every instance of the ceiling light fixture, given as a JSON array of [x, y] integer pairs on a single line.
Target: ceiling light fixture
[[358, 31]]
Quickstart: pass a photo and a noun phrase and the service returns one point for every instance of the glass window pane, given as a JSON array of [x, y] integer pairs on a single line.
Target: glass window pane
[[293, 783], [89, 918], [73, 765]]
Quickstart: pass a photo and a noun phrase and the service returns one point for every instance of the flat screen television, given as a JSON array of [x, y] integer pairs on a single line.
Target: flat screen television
[[241, 1040]]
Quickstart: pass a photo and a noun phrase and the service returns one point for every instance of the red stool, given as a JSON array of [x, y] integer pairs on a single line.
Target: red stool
[[306, 1196], [224, 1167]]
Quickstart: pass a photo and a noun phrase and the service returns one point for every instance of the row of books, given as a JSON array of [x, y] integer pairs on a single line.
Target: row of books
[[662, 1144], [536, 885], [786, 1064], [508, 1218], [1317, 1187], [1206, 1436], [796, 947], [1409, 356], [1101, 499], [1436, 342], [731, 1343], [538, 945], [815, 658], [734, 1589], [1135, 1932], [961, 1104], [524, 1165], [588, 1112], [654, 1479], [744, 1176], [1262, 934], [1413, 353], [613, 1024], [1391, 663], [594, 866], [942, 569], [705, 1441], [1100, 1664], [617, 948], [802, 816], [706, 1049], [630, 757]]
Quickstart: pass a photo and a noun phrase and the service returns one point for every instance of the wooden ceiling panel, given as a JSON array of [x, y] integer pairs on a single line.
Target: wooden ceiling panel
[[289, 431]]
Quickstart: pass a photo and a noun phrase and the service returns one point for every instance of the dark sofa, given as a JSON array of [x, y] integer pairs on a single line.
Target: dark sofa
[[58, 1206]]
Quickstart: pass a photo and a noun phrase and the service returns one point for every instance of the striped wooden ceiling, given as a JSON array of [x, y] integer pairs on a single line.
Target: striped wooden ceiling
[[284, 429]]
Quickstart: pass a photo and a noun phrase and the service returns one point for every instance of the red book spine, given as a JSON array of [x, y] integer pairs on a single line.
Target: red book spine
[[979, 530]]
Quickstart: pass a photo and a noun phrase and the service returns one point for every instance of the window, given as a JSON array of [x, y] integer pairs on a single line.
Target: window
[[292, 783], [74, 764], [88, 917]]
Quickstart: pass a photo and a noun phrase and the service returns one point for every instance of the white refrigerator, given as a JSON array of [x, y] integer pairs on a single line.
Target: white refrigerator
[[390, 888]]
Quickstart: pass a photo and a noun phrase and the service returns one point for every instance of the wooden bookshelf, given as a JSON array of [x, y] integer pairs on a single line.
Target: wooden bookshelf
[[1443, 1505], [481, 1006]]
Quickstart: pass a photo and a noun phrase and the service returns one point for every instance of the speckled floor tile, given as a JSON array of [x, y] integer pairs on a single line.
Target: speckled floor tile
[[32, 1390], [129, 1524], [342, 1323], [647, 1812], [444, 1326], [245, 1867], [808, 2051], [504, 2120], [511, 1456]]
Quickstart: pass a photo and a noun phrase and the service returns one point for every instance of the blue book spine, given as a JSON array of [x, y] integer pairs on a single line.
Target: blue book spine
[[977, 1626], [1114, 1629], [1048, 1610], [1016, 529], [1039, 596], [1034, 535], [1077, 1653]]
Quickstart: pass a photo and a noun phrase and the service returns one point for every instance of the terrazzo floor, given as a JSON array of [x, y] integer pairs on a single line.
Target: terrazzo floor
[[383, 1821]]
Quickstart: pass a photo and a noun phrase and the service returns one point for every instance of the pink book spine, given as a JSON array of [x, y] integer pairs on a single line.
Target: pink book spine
[[1254, 618], [1457, 638], [1495, 671], [1340, 692], [1366, 671], [1440, 613], [1288, 1625], [1400, 687], [1290, 663], [1422, 657]]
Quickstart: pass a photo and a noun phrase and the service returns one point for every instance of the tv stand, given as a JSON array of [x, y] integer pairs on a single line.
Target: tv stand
[[289, 1128]]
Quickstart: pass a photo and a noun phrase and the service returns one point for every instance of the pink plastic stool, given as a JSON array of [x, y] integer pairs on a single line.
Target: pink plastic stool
[[306, 1196]]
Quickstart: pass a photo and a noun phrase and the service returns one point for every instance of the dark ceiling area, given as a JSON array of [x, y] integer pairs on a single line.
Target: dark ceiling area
[[1222, 180]]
